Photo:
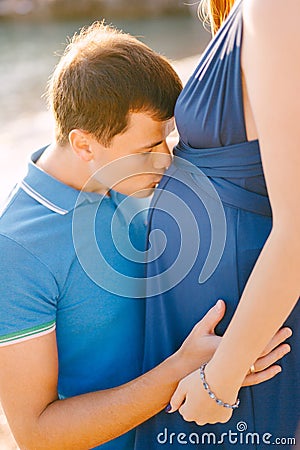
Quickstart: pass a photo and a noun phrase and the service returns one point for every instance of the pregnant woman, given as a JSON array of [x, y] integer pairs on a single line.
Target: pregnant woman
[[229, 209]]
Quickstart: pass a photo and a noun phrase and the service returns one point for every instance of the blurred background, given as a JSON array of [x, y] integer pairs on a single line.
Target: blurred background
[[33, 34]]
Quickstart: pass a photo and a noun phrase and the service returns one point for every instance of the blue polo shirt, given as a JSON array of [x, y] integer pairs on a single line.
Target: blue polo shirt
[[73, 262]]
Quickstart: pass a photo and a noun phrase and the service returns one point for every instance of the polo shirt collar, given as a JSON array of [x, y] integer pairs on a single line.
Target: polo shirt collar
[[50, 192]]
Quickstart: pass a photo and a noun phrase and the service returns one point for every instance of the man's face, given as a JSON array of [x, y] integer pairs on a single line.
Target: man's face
[[136, 159]]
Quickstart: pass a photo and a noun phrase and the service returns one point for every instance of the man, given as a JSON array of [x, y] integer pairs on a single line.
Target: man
[[71, 317]]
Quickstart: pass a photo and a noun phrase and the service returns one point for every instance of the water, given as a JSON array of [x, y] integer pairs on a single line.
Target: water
[[28, 53], [27, 57]]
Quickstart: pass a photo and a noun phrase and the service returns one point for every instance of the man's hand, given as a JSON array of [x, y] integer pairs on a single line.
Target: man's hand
[[194, 403], [202, 342]]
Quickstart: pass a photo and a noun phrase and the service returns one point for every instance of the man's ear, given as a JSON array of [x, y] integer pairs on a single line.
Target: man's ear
[[80, 142]]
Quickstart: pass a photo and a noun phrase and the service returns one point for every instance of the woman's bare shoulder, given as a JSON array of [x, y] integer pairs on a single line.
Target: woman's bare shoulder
[[272, 18]]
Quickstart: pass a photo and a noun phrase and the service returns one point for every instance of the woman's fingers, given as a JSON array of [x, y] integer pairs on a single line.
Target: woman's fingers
[[278, 338], [177, 399]]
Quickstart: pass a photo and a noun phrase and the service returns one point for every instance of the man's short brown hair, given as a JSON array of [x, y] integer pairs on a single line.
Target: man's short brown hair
[[103, 75]]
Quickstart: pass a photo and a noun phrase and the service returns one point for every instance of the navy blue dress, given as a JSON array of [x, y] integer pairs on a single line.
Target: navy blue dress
[[215, 223]]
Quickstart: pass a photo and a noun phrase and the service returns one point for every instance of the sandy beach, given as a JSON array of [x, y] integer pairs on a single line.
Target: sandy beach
[[18, 141]]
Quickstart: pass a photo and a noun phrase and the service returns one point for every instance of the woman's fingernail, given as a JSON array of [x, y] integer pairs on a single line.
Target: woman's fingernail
[[168, 408]]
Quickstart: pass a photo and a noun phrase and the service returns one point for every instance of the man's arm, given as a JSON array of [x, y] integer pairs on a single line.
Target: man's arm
[[39, 420], [28, 391]]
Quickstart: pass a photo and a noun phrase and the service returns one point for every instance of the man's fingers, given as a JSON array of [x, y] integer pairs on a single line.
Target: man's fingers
[[260, 377], [265, 368], [272, 357], [211, 319], [280, 336]]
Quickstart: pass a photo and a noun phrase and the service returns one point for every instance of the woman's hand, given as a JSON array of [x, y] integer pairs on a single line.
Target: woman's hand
[[194, 403]]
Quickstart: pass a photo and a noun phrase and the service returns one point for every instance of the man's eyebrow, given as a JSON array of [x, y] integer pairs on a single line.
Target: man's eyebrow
[[152, 145]]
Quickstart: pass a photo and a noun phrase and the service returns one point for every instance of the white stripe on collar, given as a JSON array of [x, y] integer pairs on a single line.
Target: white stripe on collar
[[38, 197], [8, 200]]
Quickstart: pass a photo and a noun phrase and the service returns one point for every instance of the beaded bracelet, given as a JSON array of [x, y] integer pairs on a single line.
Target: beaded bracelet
[[212, 395]]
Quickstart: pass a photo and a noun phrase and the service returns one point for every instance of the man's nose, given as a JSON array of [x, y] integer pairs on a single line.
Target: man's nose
[[162, 157]]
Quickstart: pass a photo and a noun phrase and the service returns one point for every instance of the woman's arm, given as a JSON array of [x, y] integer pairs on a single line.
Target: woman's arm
[[271, 68], [28, 392]]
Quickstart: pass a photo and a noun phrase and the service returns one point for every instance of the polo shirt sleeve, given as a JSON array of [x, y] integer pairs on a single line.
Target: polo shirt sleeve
[[28, 294]]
